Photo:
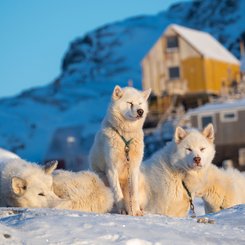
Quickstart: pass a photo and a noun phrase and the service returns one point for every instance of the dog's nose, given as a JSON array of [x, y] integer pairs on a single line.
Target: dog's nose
[[197, 160], [140, 112]]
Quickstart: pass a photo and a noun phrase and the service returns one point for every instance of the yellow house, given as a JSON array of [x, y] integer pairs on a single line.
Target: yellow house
[[187, 61]]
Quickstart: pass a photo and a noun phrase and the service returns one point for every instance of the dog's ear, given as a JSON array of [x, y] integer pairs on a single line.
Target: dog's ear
[[117, 93], [179, 135], [146, 93], [208, 132], [19, 185], [50, 166]]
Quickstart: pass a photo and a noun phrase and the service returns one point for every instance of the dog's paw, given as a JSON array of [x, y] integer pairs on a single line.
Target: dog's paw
[[121, 208], [139, 212], [122, 211]]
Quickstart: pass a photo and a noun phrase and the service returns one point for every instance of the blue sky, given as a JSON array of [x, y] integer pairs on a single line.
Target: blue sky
[[36, 34]]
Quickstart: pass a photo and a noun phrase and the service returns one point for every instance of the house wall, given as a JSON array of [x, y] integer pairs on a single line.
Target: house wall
[[193, 73], [229, 136], [216, 72], [154, 70]]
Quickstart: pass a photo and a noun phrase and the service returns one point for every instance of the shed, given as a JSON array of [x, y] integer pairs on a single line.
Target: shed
[[228, 119], [185, 60], [70, 148]]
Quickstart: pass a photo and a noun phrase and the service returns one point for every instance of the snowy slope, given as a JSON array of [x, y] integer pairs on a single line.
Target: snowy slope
[[94, 64], [49, 226]]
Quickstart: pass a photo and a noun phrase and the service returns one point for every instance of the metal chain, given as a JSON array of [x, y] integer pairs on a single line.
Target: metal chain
[[190, 200], [126, 150]]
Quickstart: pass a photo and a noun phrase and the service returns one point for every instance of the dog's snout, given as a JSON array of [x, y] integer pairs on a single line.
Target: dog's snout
[[197, 160], [140, 112]]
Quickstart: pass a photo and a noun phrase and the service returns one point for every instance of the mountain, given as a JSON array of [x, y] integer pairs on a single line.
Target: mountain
[[92, 66]]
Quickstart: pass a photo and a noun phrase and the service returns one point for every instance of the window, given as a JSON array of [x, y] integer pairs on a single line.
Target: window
[[204, 120], [174, 72], [172, 42], [228, 116]]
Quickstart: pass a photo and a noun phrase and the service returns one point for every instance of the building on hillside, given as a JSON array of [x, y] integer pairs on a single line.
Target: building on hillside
[[228, 119], [189, 63], [70, 148]]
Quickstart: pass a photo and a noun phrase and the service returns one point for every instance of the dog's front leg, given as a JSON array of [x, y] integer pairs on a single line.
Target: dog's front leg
[[114, 183], [134, 192]]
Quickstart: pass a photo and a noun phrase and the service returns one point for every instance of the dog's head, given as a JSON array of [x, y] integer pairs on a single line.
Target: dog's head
[[194, 149], [35, 189], [130, 103]]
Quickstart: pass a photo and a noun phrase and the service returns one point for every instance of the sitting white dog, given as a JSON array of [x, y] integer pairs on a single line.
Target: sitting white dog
[[118, 147]]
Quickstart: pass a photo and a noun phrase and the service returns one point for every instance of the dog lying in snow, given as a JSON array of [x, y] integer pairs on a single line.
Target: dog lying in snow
[[118, 147], [27, 185], [24, 184], [160, 187], [85, 190], [218, 188]]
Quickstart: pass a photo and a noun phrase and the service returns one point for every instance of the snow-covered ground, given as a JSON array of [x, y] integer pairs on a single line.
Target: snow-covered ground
[[53, 226], [50, 226]]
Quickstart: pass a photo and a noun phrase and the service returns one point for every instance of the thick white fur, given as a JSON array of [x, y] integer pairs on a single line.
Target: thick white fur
[[85, 190], [161, 190], [26, 185], [219, 188], [107, 155]]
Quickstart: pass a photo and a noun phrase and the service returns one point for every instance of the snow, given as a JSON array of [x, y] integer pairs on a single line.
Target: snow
[[4, 154], [217, 107], [57, 226], [50, 226], [205, 44]]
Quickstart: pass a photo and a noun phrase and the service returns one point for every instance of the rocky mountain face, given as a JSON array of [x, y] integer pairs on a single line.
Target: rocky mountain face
[[94, 64]]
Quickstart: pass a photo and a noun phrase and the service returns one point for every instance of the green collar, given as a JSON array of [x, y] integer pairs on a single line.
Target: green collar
[[126, 142]]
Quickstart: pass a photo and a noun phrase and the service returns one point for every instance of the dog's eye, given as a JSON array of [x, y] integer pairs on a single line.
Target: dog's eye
[[131, 104], [188, 149], [202, 149], [41, 194]]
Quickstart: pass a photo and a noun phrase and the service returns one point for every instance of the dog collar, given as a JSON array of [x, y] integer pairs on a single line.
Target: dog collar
[[126, 142]]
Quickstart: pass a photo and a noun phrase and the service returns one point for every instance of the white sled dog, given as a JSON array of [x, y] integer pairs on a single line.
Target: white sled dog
[[161, 189], [85, 190], [26, 185], [218, 188], [118, 147]]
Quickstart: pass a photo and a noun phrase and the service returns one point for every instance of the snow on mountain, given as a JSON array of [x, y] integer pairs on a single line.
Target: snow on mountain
[[94, 64], [50, 226]]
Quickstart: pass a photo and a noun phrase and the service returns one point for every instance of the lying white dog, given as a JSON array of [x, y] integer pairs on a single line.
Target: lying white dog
[[161, 188], [218, 188], [85, 191], [23, 184]]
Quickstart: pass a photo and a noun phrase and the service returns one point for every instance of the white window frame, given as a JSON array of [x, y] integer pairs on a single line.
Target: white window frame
[[200, 116], [223, 119]]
